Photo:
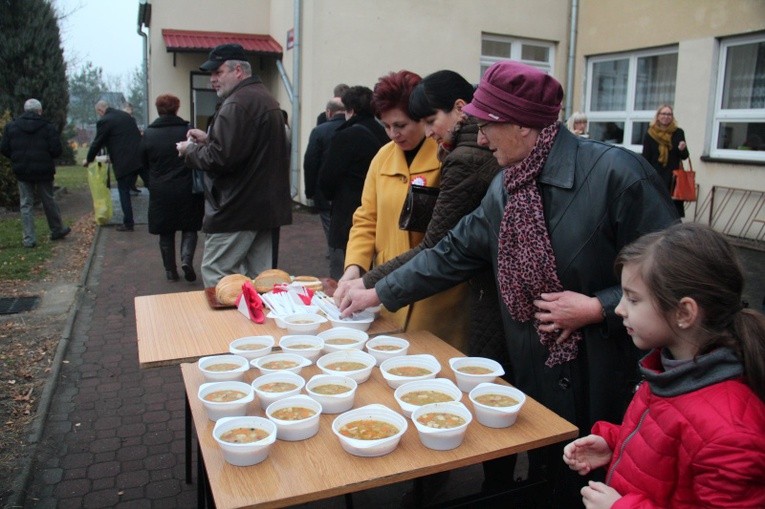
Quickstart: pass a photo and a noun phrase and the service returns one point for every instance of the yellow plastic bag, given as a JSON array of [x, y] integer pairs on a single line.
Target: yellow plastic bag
[[102, 196]]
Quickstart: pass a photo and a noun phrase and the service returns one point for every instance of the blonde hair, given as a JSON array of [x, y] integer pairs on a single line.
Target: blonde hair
[[575, 117]]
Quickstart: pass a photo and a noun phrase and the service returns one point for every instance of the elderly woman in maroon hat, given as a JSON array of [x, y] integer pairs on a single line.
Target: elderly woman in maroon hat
[[550, 225]]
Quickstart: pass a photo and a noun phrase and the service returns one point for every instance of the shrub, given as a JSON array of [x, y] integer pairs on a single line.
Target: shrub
[[9, 188]]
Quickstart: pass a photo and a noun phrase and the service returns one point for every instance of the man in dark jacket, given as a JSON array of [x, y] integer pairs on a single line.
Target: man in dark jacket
[[117, 131], [32, 143], [246, 162], [316, 153], [343, 171]]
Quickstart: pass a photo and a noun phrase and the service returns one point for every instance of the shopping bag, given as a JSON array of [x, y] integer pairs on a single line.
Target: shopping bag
[[102, 196], [684, 183]]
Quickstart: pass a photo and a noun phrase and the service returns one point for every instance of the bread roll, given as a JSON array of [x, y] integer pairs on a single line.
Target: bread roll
[[229, 288], [310, 282], [268, 278]]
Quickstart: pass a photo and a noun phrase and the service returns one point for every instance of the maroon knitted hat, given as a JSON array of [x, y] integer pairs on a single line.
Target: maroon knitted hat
[[514, 92]]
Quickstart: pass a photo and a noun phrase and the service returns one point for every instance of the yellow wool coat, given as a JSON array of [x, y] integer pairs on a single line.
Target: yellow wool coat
[[375, 238]]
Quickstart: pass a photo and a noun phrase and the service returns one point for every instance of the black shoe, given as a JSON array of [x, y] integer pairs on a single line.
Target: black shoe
[[30, 246], [60, 235], [172, 275], [124, 228], [188, 272], [134, 191]]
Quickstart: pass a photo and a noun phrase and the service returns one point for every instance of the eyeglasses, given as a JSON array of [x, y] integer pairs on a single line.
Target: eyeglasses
[[665, 114], [481, 126]]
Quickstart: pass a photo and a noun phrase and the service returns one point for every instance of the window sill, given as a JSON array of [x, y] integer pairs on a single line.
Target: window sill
[[710, 159]]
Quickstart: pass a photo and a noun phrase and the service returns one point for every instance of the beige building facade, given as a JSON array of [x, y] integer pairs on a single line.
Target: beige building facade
[[618, 60]]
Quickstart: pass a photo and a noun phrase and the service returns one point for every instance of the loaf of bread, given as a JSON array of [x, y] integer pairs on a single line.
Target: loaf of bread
[[229, 288], [266, 280], [309, 282]]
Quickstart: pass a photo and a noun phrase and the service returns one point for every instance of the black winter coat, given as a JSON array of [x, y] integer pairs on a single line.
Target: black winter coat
[[597, 198], [118, 132], [342, 174], [315, 153], [172, 206], [651, 153], [31, 143]]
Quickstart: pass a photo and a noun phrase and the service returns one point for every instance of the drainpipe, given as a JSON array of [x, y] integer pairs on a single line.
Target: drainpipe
[[571, 59], [293, 92], [144, 15]]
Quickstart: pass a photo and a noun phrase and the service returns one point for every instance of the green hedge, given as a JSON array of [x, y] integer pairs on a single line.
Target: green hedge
[[9, 189]]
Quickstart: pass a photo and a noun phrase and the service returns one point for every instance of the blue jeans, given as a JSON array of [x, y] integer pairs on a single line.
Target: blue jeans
[[123, 187], [26, 205]]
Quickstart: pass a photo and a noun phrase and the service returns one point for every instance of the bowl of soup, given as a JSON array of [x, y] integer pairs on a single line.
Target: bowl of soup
[[252, 347], [274, 362], [225, 399], [369, 431], [336, 393], [296, 417], [442, 426], [471, 371], [244, 440], [343, 338], [408, 368], [275, 386], [385, 347], [413, 395], [303, 323], [495, 405], [304, 345], [221, 368], [354, 364], [361, 321]]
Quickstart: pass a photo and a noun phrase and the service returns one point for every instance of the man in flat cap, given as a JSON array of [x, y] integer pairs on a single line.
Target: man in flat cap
[[550, 225], [245, 157]]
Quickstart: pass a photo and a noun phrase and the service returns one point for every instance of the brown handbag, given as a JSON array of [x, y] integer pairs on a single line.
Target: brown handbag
[[684, 183]]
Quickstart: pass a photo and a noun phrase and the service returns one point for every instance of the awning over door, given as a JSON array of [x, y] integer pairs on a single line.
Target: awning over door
[[196, 41]]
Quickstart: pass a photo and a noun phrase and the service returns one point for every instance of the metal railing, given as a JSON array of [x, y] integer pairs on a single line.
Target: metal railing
[[738, 213]]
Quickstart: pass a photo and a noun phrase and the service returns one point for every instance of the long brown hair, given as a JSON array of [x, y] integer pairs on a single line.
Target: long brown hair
[[692, 260]]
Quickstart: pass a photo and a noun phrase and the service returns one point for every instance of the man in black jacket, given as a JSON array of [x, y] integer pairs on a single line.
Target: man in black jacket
[[117, 131], [32, 143]]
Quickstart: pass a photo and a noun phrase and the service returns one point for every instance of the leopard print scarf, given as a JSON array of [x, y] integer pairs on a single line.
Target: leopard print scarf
[[526, 264]]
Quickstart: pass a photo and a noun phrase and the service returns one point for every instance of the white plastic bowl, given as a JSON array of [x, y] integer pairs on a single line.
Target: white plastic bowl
[[243, 455], [292, 431], [442, 439], [425, 361], [288, 344], [466, 381], [265, 398], [359, 375], [370, 448], [303, 323], [217, 410], [277, 319], [262, 362], [252, 347], [236, 374], [333, 403], [402, 347], [496, 417], [439, 384], [360, 321], [359, 337]]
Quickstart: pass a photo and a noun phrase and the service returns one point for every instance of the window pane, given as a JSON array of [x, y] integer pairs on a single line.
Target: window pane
[[610, 132], [742, 136], [638, 132], [535, 53], [609, 85], [744, 86], [495, 48], [656, 76]]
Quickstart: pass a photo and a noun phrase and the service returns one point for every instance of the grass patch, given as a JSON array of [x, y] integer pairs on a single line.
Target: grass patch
[[17, 261], [73, 177]]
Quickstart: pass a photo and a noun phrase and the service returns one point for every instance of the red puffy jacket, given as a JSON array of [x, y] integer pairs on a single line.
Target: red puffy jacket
[[693, 436]]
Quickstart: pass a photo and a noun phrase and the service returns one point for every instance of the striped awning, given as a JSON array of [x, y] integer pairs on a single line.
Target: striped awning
[[195, 41]]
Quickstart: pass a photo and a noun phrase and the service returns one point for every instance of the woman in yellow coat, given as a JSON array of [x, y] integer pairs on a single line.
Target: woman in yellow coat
[[375, 237]]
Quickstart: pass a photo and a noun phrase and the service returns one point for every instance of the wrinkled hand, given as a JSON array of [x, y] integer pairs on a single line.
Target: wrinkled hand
[[182, 147], [597, 495], [586, 454], [566, 311], [681, 145], [196, 135], [358, 299], [343, 285]]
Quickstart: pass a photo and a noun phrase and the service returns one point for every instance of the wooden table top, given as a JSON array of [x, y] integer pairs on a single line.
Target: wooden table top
[[317, 468], [182, 327]]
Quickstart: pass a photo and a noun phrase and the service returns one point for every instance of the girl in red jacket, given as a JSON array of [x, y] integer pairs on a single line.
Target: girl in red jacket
[[694, 434]]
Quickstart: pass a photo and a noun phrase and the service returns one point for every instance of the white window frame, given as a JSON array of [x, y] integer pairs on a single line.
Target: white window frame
[[733, 115], [629, 115], [516, 48]]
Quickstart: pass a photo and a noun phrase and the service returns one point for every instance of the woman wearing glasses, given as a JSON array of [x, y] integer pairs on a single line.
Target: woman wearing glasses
[[664, 147], [375, 237]]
